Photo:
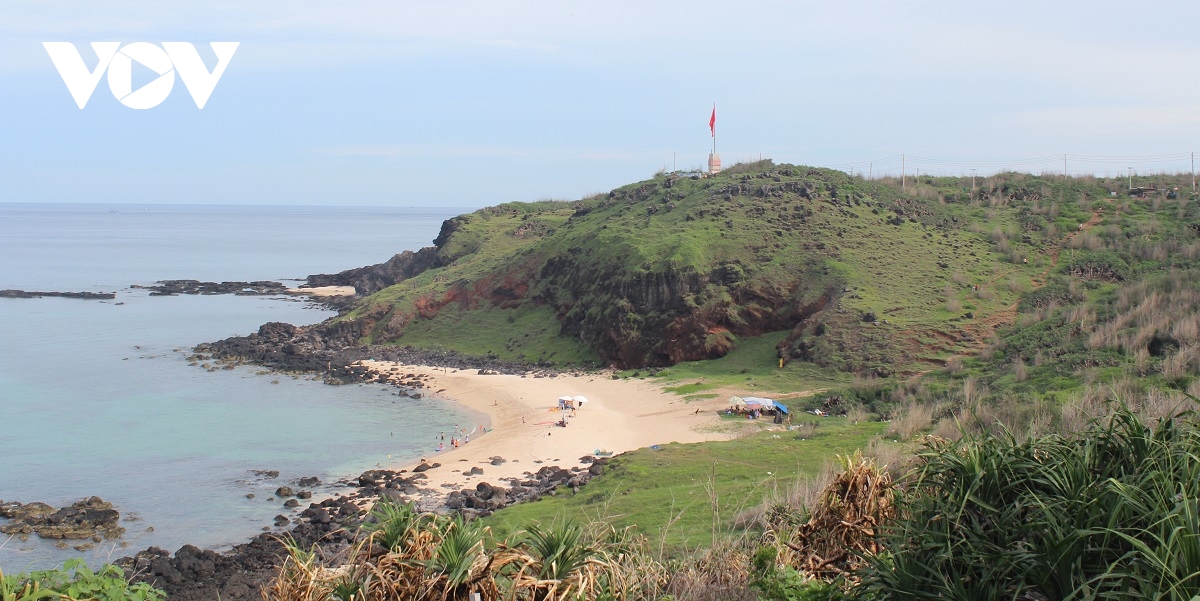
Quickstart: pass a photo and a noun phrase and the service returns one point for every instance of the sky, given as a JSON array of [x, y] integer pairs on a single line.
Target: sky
[[468, 103]]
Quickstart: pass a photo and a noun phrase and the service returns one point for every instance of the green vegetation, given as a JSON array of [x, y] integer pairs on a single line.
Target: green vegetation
[[751, 365], [684, 495], [75, 582], [837, 275], [1110, 512], [686, 268]]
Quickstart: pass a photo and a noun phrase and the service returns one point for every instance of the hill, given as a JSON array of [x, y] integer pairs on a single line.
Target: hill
[[868, 277]]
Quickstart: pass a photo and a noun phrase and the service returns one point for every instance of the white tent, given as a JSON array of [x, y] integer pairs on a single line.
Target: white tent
[[581, 399], [737, 401]]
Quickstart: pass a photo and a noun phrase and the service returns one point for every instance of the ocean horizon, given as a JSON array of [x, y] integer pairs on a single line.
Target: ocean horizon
[[100, 397]]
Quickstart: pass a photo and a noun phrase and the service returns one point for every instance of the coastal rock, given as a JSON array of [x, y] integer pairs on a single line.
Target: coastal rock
[[309, 481], [174, 287], [91, 518], [239, 574], [291, 503], [284, 491], [79, 295], [424, 467], [303, 494]]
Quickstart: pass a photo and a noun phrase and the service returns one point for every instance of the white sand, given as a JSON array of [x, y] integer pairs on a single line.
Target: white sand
[[324, 291], [622, 415]]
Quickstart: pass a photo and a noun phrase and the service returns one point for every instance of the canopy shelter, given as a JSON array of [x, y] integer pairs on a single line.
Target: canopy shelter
[[737, 401], [580, 400], [754, 402], [781, 407]]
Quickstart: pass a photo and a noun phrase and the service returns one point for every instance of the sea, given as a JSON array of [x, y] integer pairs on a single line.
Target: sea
[[97, 398]]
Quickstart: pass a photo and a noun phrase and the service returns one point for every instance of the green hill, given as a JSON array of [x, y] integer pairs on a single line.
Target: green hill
[[858, 276]]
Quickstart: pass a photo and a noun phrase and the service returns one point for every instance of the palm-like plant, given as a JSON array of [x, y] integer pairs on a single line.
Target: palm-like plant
[[459, 564], [1112, 512], [556, 563], [395, 525]]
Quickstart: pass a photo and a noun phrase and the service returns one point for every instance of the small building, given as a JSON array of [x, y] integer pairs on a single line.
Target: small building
[[714, 163]]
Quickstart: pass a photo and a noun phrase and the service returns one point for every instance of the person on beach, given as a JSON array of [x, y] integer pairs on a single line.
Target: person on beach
[[441, 446], [467, 439]]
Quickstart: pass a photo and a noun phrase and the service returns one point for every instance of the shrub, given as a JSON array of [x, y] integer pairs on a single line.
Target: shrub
[[75, 581], [1112, 512]]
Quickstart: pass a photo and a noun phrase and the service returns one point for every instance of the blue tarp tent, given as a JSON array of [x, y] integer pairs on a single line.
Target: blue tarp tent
[[761, 404]]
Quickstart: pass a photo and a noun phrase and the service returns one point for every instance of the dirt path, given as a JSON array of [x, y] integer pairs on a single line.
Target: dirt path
[[983, 329]]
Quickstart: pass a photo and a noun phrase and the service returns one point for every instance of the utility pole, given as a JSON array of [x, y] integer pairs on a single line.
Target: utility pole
[[871, 171], [1130, 177], [972, 180], [903, 179], [1064, 165], [672, 162], [1193, 173]]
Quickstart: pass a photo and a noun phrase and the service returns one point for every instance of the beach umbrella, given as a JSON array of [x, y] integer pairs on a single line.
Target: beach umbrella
[[566, 398], [581, 399]]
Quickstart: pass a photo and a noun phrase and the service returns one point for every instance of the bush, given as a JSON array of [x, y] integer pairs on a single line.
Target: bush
[[75, 581], [1112, 512]]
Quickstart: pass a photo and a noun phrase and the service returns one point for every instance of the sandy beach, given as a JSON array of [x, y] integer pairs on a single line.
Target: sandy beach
[[621, 415], [324, 291]]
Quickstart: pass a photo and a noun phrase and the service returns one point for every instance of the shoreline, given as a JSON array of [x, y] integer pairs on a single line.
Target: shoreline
[[621, 416]]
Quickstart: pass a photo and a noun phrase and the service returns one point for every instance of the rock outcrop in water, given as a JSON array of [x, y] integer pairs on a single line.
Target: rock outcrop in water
[[173, 287], [37, 294], [92, 518]]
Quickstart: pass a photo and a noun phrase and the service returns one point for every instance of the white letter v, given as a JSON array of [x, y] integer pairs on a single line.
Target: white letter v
[[80, 82], [192, 71]]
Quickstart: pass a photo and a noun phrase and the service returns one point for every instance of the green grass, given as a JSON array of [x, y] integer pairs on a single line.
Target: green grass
[[528, 334], [668, 494], [751, 366]]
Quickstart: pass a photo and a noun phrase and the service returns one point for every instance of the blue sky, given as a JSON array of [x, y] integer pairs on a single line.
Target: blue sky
[[470, 103]]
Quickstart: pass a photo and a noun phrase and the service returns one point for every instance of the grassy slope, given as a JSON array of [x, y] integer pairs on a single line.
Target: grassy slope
[[668, 493], [895, 253]]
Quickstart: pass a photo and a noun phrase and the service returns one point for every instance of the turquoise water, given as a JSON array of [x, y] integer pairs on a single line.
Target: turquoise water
[[97, 398]]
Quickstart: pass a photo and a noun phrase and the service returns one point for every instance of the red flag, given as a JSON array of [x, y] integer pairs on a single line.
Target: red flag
[[712, 121]]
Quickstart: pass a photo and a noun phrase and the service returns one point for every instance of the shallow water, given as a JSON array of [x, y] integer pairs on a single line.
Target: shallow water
[[98, 398]]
